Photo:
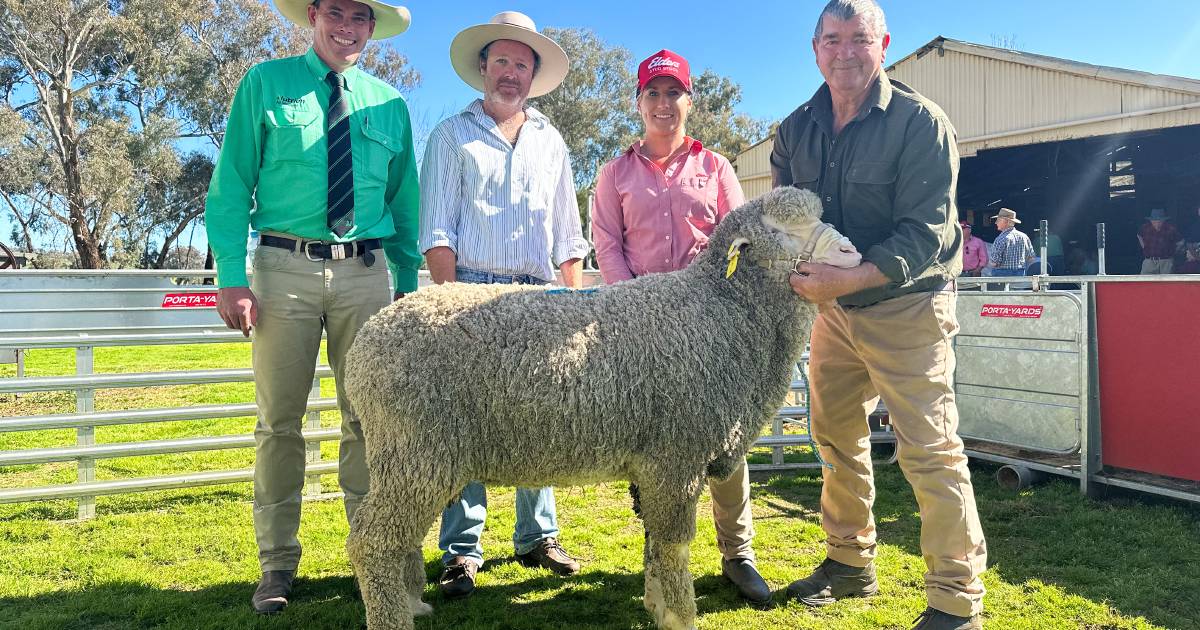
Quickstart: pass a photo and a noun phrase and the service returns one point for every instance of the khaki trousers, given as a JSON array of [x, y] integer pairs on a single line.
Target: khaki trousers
[[899, 349], [297, 297], [731, 514]]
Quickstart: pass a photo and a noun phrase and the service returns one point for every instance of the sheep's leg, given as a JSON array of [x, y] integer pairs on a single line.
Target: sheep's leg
[[385, 550], [669, 515]]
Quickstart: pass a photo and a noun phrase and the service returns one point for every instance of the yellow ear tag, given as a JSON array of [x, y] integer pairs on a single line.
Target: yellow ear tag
[[732, 256]]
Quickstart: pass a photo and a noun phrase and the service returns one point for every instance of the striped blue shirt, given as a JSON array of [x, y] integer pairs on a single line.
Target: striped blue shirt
[[1012, 250], [502, 208]]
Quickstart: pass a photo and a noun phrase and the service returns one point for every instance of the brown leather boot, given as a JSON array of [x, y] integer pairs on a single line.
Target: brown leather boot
[[549, 554], [458, 578]]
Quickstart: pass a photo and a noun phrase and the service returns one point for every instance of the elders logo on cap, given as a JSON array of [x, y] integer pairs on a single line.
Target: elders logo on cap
[[664, 62]]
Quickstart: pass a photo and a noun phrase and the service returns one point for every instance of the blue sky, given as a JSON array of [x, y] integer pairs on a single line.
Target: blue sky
[[765, 45]]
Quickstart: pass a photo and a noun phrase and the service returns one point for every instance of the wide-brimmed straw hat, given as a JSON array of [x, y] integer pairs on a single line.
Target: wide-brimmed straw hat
[[1005, 213], [464, 51], [390, 19]]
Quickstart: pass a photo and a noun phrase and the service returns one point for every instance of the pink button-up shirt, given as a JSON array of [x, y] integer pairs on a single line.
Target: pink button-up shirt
[[975, 254], [647, 220]]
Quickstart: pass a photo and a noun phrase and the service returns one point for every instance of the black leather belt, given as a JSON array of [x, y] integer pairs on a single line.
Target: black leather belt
[[319, 250]]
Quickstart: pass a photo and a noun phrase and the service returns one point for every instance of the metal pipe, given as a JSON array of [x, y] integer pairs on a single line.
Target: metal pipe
[[153, 447], [151, 379], [1015, 477], [121, 340], [1044, 239], [1100, 249], [142, 484], [143, 416]]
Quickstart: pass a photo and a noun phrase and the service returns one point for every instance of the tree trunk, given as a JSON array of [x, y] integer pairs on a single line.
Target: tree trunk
[[174, 236]]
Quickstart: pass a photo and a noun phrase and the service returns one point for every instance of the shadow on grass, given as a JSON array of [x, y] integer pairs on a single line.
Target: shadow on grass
[[590, 600], [1134, 553], [157, 501]]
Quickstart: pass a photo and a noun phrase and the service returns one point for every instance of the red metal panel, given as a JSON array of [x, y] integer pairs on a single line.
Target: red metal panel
[[1149, 364]]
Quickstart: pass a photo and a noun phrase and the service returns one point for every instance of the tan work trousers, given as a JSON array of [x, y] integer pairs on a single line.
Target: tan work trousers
[[899, 349], [731, 514], [297, 297]]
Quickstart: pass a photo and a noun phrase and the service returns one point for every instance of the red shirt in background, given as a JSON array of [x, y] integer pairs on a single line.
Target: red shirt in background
[[1159, 243]]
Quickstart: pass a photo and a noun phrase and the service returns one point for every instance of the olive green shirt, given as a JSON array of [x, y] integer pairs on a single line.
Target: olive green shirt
[[271, 173], [887, 182]]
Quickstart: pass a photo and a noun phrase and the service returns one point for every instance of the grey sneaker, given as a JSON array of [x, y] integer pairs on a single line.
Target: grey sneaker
[[746, 578], [271, 596], [934, 619], [832, 581], [551, 555]]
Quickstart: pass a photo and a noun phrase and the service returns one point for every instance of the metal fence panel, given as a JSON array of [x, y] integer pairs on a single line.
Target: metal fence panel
[[1019, 363]]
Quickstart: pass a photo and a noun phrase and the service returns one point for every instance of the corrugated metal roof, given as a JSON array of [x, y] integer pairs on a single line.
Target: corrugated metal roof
[[1003, 98]]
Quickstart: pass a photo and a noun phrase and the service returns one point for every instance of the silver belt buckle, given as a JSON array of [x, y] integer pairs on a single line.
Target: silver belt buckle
[[308, 251]]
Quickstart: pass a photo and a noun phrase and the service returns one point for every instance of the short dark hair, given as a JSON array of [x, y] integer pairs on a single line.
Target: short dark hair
[[537, 59], [317, 5], [846, 10]]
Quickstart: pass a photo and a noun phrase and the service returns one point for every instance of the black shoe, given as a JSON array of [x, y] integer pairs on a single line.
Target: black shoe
[[458, 578], [551, 555], [744, 575], [832, 581], [934, 619], [271, 596]]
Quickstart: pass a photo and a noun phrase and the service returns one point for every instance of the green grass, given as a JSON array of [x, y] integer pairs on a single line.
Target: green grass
[[186, 558]]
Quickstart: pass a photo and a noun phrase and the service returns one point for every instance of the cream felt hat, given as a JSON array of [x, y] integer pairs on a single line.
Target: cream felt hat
[[390, 19], [464, 51]]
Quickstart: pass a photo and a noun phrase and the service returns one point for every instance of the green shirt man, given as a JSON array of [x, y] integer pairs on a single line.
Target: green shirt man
[[318, 158], [271, 173]]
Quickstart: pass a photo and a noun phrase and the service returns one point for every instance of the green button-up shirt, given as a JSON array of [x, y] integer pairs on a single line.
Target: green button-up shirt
[[887, 182], [271, 172]]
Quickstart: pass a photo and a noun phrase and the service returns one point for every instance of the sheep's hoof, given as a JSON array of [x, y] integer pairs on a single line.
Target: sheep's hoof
[[419, 608]]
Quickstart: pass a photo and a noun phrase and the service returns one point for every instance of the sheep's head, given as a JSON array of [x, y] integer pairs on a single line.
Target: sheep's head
[[777, 228]]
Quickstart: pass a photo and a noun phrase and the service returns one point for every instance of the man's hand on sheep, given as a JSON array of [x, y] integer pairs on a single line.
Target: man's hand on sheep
[[238, 308], [819, 283]]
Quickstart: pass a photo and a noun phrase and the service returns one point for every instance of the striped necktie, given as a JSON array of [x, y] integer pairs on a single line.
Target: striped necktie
[[340, 212]]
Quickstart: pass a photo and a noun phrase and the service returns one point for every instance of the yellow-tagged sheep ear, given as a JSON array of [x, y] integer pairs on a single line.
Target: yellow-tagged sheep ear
[[734, 253]]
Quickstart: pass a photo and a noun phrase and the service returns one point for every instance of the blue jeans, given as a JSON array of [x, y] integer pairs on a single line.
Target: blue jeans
[[462, 520], [1020, 271]]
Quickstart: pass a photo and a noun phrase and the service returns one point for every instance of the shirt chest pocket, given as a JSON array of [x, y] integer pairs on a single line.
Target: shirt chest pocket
[[805, 172], [870, 189], [378, 148], [700, 194], [293, 135]]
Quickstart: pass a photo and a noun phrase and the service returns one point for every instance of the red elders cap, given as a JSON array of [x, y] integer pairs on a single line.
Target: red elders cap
[[664, 63]]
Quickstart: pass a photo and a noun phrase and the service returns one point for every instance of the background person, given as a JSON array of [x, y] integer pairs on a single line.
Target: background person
[[1011, 251], [656, 206], [975, 252], [1159, 241]]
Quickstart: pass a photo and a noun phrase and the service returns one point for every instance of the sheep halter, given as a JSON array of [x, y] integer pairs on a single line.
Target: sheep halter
[[792, 264]]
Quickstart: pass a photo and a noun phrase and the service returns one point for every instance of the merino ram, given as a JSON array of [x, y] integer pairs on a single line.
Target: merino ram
[[660, 380]]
